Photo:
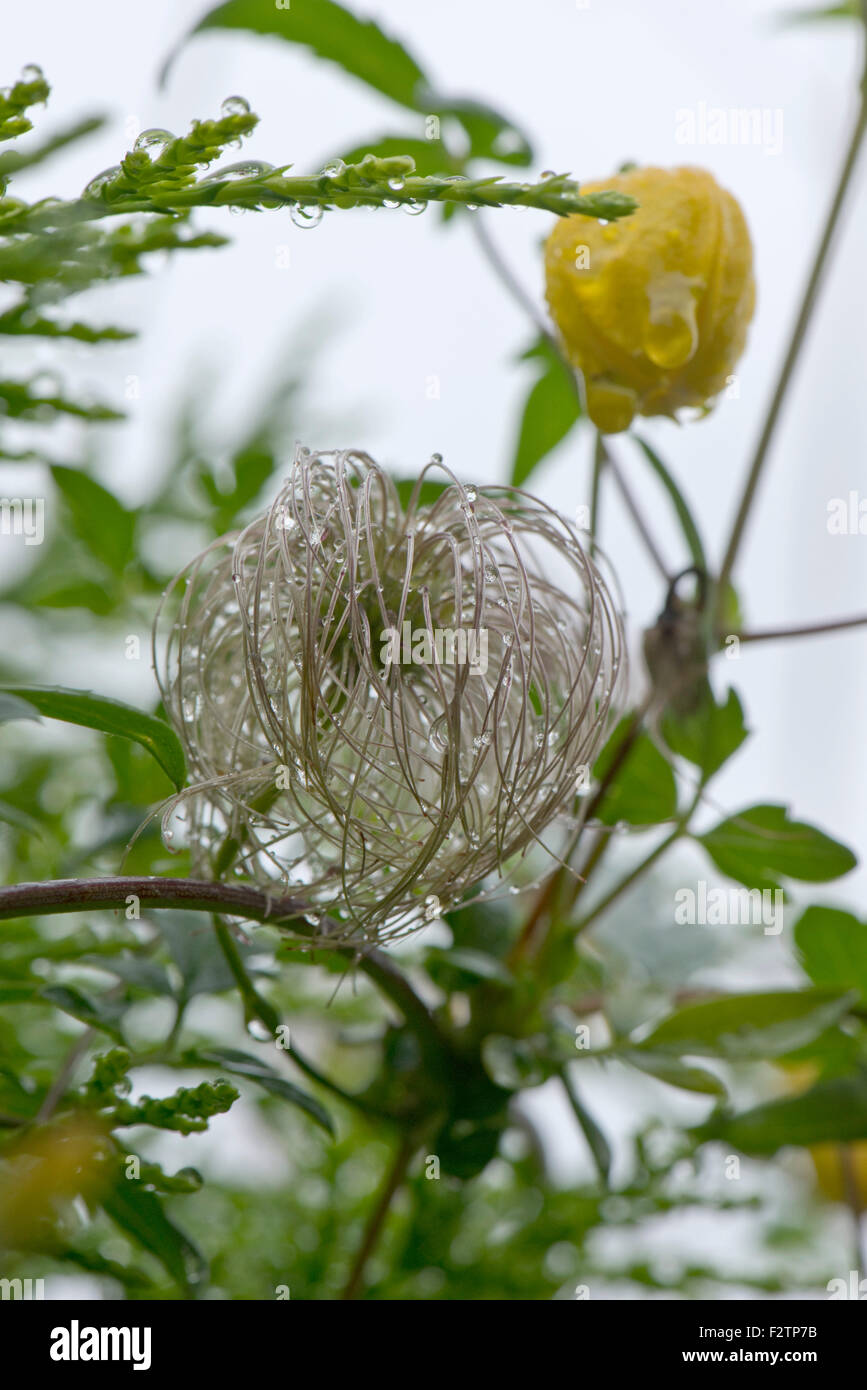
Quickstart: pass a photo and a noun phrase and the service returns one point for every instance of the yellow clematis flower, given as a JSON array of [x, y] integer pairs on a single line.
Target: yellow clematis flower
[[654, 309]]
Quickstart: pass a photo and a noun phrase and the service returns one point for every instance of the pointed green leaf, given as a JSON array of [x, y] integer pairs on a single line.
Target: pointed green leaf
[[832, 1111], [832, 945], [550, 411], [101, 1013], [710, 734], [362, 49], [644, 791], [684, 515], [749, 1025], [359, 46], [761, 845], [140, 1214], [108, 717], [105, 526], [674, 1072], [596, 1140], [242, 1064]]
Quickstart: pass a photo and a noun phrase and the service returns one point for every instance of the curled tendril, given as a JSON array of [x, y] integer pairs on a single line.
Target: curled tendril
[[385, 789]]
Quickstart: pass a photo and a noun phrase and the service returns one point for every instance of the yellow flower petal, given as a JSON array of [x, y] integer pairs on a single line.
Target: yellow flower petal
[[653, 309]]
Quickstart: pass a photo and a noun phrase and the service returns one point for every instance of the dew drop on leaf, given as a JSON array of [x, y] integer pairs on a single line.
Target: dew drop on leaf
[[235, 106], [306, 216]]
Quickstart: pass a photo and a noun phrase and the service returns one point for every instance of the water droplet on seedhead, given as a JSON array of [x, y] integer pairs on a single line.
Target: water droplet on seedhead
[[246, 169], [155, 140], [235, 106], [334, 168], [97, 184], [32, 72], [309, 216]]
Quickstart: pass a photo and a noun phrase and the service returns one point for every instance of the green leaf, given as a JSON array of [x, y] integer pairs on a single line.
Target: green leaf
[[140, 1214], [20, 402], [849, 9], [832, 946], [359, 46], [242, 1064], [252, 466], [684, 515], [832, 1111], [550, 411], [109, 717], [749, 1025], [12, 815], [11, 707], [193, 946], [596, 1140], [674, 1072], [139, 971], [101, 1013], [760, 845], [362, 49], [83, 593], [710, 734], [460, 968], [644, 791], [105, 526], [428, 493], [491, 135]]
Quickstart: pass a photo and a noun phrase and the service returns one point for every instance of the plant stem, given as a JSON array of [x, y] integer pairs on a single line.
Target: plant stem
[[772, 634], [549, 894], [635, 511], [646, 863], [510, 282], [600, 458], [627, 882], [350, 189], [58, 1087], [394, 1180], [796, 343], [254, 1005], [234, 900]]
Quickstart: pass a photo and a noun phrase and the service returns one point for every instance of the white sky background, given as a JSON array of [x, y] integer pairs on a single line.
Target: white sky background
[[594, 87]]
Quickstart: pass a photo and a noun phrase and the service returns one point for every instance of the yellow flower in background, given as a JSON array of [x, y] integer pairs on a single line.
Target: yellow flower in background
[[654, 309]]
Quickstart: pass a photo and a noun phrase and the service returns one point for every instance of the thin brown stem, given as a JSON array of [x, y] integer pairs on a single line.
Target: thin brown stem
[[58, 1088], [631, 878], [773, 634], [796, 343], [373, 1231], [635, 512], [548, 896], [232, 900]]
